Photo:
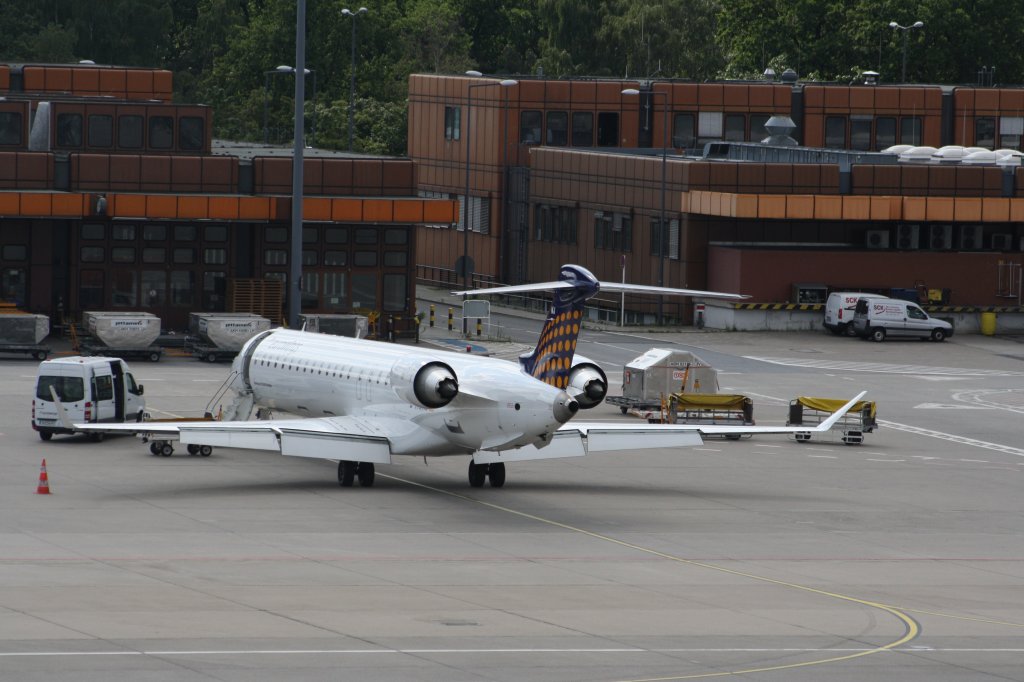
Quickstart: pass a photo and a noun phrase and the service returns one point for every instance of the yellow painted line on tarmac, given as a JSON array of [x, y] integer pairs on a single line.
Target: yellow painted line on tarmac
[[912, 629]]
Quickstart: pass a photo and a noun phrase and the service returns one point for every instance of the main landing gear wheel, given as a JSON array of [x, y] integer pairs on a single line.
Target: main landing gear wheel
[[496, 474], [477, 474], [346, 473], [365, 474]]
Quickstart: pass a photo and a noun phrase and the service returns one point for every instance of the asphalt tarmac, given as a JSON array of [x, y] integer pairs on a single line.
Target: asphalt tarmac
[[898, 559]]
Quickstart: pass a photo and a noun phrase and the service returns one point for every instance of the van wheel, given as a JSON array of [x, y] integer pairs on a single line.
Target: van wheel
[[154, 357], [938, 335], [96, 437], [46, 435], [878, 334]]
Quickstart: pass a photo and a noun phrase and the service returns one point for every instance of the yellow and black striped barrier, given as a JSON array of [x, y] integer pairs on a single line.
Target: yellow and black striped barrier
[[973, 309], [779, 306]]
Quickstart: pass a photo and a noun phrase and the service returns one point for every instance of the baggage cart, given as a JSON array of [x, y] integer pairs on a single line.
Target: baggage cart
[[806, 411]]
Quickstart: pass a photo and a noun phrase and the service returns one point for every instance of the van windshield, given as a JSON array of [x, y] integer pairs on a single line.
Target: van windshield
[[68, 389]]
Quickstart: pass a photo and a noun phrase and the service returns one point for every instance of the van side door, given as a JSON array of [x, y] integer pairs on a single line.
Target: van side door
[[104, 405], [918, 323]]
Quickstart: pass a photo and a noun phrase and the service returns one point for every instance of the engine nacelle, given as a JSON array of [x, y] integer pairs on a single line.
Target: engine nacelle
[[430, 384], [588, 383]]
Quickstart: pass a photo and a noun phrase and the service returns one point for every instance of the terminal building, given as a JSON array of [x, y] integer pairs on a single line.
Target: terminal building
[[114, 198], [691, 185]]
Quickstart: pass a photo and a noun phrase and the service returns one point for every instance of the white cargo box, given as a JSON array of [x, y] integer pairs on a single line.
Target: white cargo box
[[661, 372], [227, 331], [23, 329], [122, 329]]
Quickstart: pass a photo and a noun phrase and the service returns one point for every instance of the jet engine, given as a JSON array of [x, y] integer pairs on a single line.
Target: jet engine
[[587, 383], [431, 384]]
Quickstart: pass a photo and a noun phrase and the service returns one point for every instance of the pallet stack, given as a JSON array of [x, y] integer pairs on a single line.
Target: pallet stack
[[264, 297]]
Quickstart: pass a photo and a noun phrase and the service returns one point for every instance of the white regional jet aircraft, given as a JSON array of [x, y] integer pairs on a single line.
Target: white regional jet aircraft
[[364, 402]]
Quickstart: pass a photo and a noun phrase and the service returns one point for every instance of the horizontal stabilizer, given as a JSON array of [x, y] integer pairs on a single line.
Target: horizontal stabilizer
[[608, 287]]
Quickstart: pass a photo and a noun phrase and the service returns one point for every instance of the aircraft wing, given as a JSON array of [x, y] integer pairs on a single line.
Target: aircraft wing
[[362, 439], [576, 439], [604, 286]]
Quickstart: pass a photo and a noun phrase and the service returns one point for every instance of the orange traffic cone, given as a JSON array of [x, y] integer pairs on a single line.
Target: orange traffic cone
[[44, 481]]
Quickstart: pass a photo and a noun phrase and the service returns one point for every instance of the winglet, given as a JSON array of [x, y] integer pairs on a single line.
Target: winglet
[[838, 414], [62, 414]]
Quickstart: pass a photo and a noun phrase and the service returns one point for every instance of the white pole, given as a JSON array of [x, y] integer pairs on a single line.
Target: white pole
[[622, 309]]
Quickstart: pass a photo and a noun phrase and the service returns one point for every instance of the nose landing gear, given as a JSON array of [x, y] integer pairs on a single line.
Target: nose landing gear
[[478, 473]]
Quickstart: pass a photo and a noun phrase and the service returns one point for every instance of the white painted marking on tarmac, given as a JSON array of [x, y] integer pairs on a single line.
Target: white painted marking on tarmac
[[976, 461], [473, 652], [823, 456], [939, 406], [879, 367], [885, 460], [761, 445], [707, 449], [952, 438]]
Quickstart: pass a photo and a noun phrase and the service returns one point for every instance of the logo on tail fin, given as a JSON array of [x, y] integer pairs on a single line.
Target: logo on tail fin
[[551, 360]]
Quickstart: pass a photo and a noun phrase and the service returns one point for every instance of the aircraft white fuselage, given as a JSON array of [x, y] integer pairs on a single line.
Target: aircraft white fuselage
[[497, 406]]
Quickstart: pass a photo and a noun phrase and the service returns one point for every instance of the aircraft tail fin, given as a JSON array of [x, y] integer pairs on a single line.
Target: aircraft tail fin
[[551, 360]]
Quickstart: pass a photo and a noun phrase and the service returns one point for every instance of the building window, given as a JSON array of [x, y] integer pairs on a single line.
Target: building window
[[154, 232], [683, 136], [529, 127], [14, 252], [860, 133], [129, 132], [214, 288], [1011, 128], [835, 132], [123, 292], [364, 259], [183, 283], [395, 287], [334, 291], [395, 259], [985, 132], [555, 224], [216, 233], [364, 291], [885, 132], [191, 133], [309, 257], [122, 233], [92, 254], [607, 129], [215, 256], [11, 128], [735, 127], [310, 235], [154, 255], [709, 126], [91, 231], [452, 123], [558, 128], [366, 235], [669, 239], [90, 290], [184, 256], [582, 129], [336, 258], [185, 233], [336, 235], [309, 292], [613, 231], [757, 130], [122, 254], [276, 235], [161, 132], [396, 236], [275, 257], [101, 130], [154, 287], [910, 130], [69, 130]]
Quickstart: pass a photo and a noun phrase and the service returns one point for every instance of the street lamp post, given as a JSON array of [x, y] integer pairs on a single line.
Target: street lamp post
[[266, 88], [294, 297], [663, 230], [352, 76], [906, 35], [465, 203]]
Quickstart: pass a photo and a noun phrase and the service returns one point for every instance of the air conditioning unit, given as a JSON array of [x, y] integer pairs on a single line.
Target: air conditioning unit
[[877, 239], [1002, 242], [906, 237], [970, 238], [940, 237]]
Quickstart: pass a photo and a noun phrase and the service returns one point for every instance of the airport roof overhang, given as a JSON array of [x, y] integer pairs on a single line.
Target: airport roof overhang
[[226, 207]]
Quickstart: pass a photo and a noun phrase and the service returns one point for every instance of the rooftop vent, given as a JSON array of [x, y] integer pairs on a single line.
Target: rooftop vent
[[789, 76], [779, 129]]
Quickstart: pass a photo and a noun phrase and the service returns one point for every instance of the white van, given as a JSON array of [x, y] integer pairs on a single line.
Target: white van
[[839, 309], [90, 389], [876, 318]]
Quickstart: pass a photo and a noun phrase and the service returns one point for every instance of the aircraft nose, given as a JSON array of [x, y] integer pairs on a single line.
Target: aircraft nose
[[565, 407]]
